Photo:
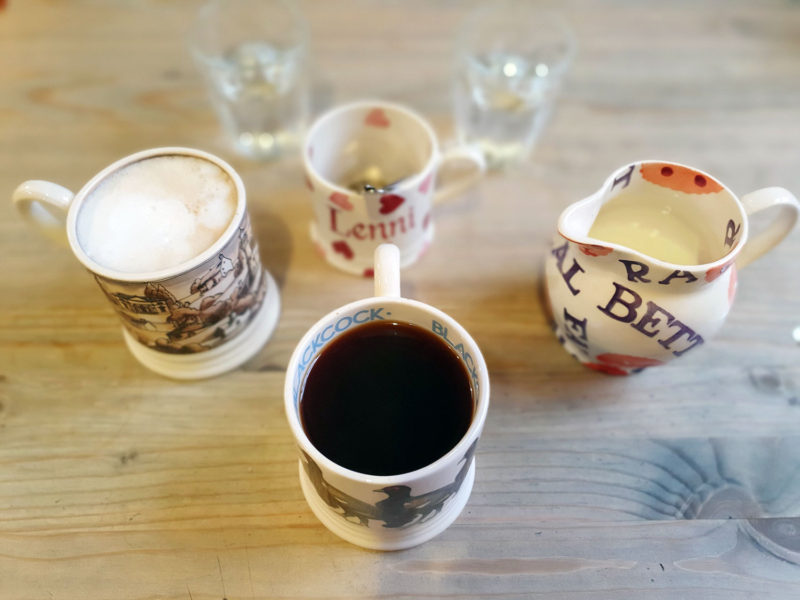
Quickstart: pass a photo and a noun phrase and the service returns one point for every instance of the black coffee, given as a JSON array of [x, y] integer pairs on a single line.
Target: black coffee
[[386, 398]]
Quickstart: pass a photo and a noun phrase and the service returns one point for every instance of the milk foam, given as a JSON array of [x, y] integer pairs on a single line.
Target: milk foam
[[156, 213]]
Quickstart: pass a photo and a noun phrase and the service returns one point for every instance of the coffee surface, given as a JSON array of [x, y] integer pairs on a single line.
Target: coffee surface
[[156, 213], [386, 398]]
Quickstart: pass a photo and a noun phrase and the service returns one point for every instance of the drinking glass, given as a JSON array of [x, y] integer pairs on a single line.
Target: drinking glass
[[511, 57], [252, 54]]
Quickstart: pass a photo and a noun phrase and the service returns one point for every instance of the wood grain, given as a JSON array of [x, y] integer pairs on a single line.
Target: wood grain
[[679, 482]]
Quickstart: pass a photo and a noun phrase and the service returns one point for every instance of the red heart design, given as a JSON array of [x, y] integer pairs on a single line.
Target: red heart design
[[607, 369], [341, 200], [370, 272], [426, 221], [377, 118], [389, 203], [342, 248], [426, 184], [625, 361]]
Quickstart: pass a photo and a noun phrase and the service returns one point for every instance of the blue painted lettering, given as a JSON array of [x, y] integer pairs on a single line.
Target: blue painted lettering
[[470, 363], [343, 323], [689, 277], [325, 337], [441, 331], [626, 177], [693, 339], [560, 253], [628, 306], [575, 329], [307, 355], [650, 320], [636, 270], [731, 232], [623, 306]]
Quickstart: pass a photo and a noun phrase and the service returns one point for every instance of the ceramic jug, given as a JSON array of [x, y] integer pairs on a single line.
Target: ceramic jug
[[644, 270]]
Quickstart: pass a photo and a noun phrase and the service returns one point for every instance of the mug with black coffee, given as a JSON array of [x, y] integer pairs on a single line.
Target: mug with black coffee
[[167, 236], [386, 398]]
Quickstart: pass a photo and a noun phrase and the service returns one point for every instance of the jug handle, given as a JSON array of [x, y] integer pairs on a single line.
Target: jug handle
[[777, 229]]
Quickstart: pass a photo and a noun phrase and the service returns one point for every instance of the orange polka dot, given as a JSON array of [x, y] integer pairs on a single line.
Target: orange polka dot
[[682, 179]]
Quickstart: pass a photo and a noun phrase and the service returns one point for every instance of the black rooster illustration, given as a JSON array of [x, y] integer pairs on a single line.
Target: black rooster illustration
[[399, 509]]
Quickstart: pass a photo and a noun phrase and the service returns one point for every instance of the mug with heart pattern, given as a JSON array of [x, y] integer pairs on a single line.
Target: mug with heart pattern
[[371, 168]]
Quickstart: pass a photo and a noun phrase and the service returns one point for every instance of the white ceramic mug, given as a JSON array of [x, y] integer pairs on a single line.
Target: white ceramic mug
[[394, 511], [203, 316], [396, 151]]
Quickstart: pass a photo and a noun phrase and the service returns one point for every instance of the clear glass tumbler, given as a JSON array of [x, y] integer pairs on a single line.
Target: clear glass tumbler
[[253, 55], [511, 57]]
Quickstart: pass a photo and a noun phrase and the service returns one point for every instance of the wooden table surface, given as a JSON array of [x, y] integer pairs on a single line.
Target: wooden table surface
[[679, 482]]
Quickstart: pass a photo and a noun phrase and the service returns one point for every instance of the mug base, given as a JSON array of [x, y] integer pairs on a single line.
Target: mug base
[[376, 537], [223, 358], [355, 267]]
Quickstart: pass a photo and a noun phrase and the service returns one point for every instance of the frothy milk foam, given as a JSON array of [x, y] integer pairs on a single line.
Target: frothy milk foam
[[156, 213]]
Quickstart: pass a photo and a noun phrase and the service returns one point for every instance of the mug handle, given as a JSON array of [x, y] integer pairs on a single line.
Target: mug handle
[[776, 230], [456, 154], [45, 205], [387, 271]]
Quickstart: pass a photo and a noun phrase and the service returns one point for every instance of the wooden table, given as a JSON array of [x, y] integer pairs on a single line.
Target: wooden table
[[680, 482]]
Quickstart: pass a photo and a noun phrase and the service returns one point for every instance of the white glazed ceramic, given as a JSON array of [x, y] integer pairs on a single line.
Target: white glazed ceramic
[[397, 511], [619, 310], [349, 225], [197, 319]]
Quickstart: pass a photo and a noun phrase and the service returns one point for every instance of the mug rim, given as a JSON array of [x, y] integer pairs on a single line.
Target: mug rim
[[729, 257], [481, 400], [175, 270], [411, 181]]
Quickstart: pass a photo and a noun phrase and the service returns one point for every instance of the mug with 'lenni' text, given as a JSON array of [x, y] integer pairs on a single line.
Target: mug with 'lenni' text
[[371, 168]]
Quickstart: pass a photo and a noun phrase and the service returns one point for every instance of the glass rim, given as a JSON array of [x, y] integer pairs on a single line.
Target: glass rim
[[207, 20]]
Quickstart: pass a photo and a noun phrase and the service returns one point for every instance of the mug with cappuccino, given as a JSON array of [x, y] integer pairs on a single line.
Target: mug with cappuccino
[[167, 236]]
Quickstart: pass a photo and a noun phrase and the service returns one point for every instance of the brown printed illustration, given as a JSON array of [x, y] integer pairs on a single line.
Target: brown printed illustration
[[198, 310]]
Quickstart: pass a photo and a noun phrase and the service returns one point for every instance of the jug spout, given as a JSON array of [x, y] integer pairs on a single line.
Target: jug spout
[[662, 213], [576, 220]]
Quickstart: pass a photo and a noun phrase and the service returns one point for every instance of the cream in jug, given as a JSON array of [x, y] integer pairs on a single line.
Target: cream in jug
[[644, 270]]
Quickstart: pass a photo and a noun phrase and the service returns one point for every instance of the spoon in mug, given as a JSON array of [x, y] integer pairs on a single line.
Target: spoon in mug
[[369, 188]]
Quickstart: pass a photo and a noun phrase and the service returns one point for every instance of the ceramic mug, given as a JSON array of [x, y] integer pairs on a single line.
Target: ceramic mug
[[371, 168], [179, 264], [387, 512]]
